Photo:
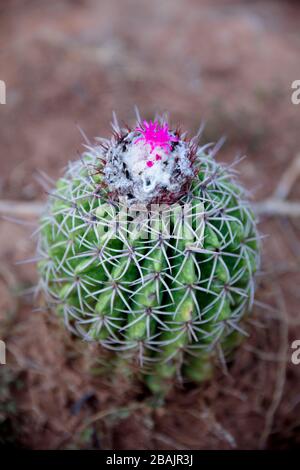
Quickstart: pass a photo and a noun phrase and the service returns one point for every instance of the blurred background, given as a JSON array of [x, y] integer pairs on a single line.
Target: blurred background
[[230, 63]]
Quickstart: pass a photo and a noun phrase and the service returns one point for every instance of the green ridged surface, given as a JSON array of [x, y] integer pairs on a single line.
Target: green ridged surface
[[169, 304]]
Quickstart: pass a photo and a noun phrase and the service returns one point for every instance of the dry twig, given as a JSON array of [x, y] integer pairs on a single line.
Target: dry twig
[[21, 209], [281, 372], [288, 179], [277, 205]]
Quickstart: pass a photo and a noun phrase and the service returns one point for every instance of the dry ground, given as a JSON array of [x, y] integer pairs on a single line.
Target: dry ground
[[69, 62]]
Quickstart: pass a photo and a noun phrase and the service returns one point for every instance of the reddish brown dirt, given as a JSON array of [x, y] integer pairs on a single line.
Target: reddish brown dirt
[[230, 63]]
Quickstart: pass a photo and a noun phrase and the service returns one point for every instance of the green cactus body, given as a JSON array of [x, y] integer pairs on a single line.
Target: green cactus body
[[168, 301]]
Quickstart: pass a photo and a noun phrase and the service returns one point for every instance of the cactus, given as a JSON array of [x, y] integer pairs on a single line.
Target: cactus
[[166, 289]]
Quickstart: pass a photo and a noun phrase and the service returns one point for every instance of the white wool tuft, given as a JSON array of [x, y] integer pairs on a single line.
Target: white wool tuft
[[127, 172]]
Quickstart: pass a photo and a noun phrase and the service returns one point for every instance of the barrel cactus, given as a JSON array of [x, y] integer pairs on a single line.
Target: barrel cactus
[[149, 247]]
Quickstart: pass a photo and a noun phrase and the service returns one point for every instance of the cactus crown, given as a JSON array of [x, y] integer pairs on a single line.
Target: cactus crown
[[148, 164], [168, 292]]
